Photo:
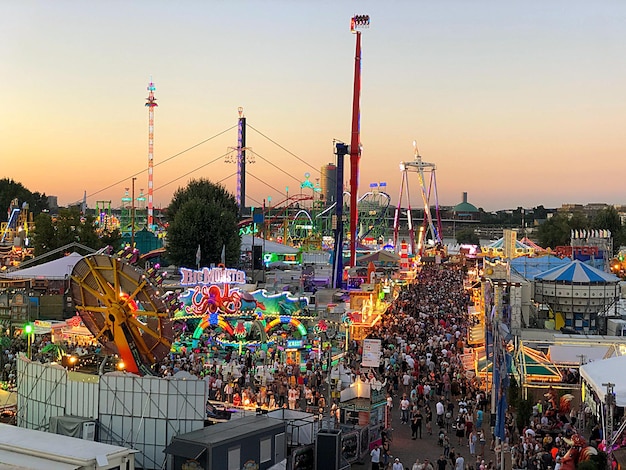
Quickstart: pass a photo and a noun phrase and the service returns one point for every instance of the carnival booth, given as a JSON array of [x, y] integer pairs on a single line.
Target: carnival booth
[[362, 414]]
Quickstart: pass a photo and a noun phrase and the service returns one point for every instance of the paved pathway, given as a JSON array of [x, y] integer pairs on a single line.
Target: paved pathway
[[407, 450]]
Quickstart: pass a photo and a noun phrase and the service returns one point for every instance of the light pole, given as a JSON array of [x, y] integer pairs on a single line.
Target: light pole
[[28, 329], [286, 224], [132, 216], [269, 211], [253, 230]]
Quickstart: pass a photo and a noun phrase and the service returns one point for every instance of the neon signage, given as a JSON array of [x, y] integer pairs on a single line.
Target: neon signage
[[294, 343], [219, 275], [212, 299]]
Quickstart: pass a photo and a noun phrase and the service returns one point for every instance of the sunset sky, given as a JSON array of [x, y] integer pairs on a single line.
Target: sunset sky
[[517, 103]]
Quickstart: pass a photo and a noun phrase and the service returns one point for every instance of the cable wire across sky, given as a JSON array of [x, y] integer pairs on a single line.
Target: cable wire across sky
[[182, 152]]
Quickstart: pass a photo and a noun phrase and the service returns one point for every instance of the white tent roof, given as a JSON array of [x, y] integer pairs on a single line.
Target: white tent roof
[[606, 371], [571, 354], [270, 246], [56, 269]]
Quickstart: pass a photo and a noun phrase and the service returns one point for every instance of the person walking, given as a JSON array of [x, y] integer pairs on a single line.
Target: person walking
[[473, 439], [416, 423], [397, 465], [428, 415], [442, 462], [439, 408], [459, 463], [404, 409], [375, 456]]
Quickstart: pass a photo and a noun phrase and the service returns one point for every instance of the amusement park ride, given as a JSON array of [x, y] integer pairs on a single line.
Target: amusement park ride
[[123, 307], [421, 168], [127, 311]]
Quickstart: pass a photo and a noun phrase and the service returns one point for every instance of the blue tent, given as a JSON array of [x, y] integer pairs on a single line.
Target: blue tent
[[577, 272], [530, 267]]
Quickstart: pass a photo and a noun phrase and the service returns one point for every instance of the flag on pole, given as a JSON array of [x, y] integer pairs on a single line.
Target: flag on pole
[[223, 255], [198, 256]]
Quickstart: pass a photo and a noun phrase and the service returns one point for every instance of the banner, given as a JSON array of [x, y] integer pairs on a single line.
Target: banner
[[371, 353]]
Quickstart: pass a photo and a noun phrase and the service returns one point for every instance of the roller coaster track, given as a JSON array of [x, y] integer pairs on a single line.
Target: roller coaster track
[[277, 211], [379, 216], [276, 214]]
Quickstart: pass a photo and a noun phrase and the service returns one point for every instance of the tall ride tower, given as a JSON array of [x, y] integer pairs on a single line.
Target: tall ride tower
[[240, 160], [358, 21], [150, 104]]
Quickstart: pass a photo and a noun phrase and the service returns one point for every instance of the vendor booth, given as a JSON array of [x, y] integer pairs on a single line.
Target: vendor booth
[[362, 414]]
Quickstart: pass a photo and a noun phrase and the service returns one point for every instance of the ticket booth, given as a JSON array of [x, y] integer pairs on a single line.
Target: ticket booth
[[293, 351]]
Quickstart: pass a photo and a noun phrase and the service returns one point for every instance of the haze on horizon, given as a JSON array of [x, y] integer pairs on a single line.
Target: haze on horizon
[[517, 105]]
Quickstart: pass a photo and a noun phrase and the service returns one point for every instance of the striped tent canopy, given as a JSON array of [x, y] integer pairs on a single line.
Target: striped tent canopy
[[577, 272], [529, 243], [535, 366]]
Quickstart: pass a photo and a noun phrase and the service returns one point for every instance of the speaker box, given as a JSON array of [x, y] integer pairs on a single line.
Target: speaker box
[[257, 257], [328, 449]]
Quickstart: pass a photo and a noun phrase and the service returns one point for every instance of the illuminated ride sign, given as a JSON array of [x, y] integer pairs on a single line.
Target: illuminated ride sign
[[205, 276]]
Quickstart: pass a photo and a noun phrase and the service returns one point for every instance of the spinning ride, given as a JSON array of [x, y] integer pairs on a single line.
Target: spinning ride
[[122, 307], [429, 229]]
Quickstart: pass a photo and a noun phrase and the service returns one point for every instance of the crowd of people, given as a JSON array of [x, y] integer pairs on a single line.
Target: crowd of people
[[424, 335]]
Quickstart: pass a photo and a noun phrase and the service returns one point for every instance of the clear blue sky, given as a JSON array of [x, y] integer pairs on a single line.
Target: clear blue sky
[[517, 104]]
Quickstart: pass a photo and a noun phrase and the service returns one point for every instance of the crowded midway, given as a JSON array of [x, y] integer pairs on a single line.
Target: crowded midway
[[437, 413]]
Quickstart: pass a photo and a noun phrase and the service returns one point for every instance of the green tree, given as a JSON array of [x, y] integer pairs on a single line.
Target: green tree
[[67, 227], [10, 190], [203, 214], [467, 236], [556, 230]]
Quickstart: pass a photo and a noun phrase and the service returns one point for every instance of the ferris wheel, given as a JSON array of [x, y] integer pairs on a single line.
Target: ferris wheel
[[124, 309], [431, 229]]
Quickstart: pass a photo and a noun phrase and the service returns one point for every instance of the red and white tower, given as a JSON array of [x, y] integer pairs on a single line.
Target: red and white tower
[[357, 22], [150, 104]]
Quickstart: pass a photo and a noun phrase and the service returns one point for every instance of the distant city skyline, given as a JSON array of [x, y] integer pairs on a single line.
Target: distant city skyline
[[516, 104]]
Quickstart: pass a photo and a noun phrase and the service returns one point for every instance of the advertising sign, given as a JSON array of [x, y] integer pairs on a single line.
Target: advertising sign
[[205, 276], [371, 352]]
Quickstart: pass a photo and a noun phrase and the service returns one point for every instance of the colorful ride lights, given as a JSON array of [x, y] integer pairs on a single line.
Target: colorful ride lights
[[359, 21]]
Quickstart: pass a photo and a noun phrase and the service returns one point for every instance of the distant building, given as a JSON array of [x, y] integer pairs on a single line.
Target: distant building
[[53, 204], [590, 210], [465, 210], [328, 183]]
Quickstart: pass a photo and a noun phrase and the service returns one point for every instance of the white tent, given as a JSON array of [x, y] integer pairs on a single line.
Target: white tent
[[57, 269], [269, 246], [570, 354], [606, 371]]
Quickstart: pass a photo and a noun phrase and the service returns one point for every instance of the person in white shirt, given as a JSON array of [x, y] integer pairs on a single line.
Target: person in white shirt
[[404, 408], [397, 465], [440, 411], [406, 382], [460, 463], [427, 392], [375, 455]]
